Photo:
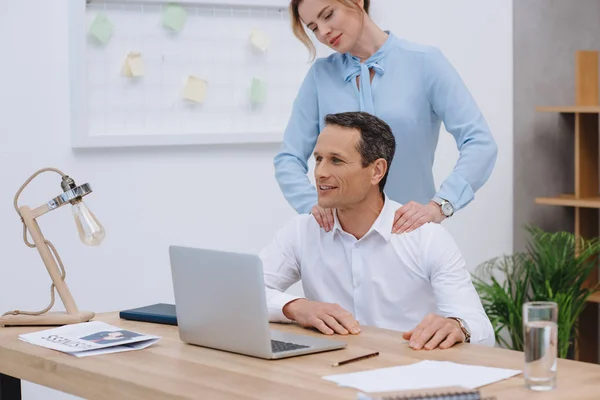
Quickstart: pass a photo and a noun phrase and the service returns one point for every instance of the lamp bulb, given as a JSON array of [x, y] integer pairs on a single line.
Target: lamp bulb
[[91, 232]]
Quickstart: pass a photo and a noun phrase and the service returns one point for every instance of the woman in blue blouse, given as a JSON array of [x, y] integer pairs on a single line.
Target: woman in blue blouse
[[411, 87]]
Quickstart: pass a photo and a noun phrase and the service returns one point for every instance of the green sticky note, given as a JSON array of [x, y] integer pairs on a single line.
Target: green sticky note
[[101, 28], [174, 17], [258, 91]]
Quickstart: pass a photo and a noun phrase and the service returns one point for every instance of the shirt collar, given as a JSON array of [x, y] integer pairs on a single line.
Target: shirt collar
[[382, 225]]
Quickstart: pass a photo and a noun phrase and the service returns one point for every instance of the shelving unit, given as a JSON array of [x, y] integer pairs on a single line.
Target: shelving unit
[[586, 199], [569, 200]]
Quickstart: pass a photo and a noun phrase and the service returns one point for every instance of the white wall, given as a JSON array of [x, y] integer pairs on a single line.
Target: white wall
[[221, 197], [476, 36]]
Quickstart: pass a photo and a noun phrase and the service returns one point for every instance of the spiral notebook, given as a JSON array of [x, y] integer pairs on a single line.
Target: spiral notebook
[[458, 395]]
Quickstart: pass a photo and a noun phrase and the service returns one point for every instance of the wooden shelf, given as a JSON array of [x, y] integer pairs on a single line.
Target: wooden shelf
[[569, 200], [570, 109], [594, 298], [585, 200]]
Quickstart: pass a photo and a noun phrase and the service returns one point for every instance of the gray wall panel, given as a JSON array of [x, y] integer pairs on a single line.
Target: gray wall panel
[[547, 33]]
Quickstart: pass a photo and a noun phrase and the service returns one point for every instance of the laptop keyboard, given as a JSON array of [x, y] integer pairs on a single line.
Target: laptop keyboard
[[278, 346]]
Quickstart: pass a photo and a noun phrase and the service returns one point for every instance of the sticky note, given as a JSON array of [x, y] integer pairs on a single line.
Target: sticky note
[[174, 17], [195, 89], [133, 66], [259, 40], [101, 28], [258, 91]]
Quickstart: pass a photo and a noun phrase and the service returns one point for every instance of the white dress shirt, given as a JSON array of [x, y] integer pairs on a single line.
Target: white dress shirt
[[386, 280]]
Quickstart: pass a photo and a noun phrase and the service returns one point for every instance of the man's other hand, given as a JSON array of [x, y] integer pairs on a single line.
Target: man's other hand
[[435, 331], [326, 317]]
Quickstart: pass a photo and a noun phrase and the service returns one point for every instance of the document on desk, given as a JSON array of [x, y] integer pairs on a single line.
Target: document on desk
[[89, 339], [422, 375]]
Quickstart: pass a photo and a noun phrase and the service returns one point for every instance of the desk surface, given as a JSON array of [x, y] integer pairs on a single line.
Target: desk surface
[[171, 369]]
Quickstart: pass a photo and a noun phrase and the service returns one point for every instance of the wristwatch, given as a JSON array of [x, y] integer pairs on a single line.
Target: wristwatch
[[446, 207], [464, 328]]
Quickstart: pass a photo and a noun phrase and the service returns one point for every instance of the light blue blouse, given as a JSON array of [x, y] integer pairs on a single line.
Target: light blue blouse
[[414, 89]]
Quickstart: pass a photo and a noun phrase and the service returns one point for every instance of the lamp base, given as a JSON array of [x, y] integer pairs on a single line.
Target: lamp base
[[50, 318]]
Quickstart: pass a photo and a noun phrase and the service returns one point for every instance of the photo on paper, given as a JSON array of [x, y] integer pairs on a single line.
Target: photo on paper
[[106, 337]]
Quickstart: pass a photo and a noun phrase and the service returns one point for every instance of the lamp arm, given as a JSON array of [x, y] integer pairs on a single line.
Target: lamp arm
[[38, 211], [32, 177], [54, 254]]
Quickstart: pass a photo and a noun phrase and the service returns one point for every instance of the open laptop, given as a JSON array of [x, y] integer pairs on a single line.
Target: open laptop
[[221, 303]]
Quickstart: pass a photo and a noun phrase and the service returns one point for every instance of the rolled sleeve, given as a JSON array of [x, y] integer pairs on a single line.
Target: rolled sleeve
[[456, 190], [453, 289], [453, 103], [281, 269], [291, 163]]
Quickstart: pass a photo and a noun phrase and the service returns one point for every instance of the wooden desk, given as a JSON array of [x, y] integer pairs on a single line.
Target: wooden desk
[[171, 369]]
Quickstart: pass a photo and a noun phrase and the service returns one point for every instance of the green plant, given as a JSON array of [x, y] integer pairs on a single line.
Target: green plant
[[554, 268]]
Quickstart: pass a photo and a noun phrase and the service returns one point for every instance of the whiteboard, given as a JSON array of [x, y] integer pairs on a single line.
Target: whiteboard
[[112, 110]]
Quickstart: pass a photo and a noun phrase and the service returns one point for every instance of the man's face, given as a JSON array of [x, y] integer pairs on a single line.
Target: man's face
[[341, 179]]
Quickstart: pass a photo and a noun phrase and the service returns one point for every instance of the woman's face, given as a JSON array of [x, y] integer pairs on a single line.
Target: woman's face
[[334, 24]]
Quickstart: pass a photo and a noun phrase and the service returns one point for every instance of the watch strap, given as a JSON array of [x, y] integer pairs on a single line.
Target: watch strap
[[463, 328]]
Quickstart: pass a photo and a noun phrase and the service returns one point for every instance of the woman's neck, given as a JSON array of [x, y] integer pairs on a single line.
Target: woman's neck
[[370, 40]]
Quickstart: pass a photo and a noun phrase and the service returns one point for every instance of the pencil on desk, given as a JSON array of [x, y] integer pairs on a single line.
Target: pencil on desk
[[337, 364]]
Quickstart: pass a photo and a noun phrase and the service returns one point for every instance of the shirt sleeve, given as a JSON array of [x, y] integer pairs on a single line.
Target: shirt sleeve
[[298, 144], [454, 104], [281, 269], [454, 292]]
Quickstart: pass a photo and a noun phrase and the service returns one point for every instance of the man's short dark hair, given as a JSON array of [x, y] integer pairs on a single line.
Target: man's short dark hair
[[376, 137]]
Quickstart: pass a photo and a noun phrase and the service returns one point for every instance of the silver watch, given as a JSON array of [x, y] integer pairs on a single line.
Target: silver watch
[[446, 207], [464, 328]]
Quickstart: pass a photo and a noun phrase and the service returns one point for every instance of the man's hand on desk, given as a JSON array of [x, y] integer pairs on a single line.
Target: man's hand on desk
[[435, 331], [326, 317]]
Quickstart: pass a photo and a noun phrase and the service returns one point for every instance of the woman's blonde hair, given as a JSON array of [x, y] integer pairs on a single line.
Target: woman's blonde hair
[[299, 31]]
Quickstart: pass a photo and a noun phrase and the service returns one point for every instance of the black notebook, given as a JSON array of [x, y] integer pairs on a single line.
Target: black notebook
[[465, 395], [159, 313]]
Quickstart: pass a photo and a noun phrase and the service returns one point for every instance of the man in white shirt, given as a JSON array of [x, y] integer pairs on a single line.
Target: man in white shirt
[[359, 273]]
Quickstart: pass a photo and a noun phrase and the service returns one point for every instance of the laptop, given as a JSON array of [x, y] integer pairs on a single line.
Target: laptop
[[221, 303]]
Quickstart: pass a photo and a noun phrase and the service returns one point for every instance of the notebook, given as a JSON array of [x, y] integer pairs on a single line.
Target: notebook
[[456, 395], [159, 313]]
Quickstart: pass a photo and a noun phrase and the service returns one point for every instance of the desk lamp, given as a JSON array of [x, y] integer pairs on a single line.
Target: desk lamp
[[91, 233]]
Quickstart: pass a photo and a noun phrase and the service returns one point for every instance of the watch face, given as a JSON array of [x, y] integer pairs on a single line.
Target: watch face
[[447, 209]]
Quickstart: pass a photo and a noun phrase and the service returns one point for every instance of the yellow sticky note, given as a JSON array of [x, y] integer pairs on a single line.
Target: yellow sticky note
[[133, 66], [258, 91], [174, 17], [195, 89], [126, 70], [259, 40], [136, 64], [101, 28]]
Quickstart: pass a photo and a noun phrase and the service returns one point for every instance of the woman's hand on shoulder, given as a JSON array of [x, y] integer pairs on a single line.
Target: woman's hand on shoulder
[[323, 216], [413, 215]]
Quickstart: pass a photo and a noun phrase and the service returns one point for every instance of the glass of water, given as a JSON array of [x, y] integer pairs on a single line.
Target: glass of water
[[540, 332]]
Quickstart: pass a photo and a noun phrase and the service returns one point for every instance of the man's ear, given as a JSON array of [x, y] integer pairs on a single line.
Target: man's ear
[[379, 170]]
